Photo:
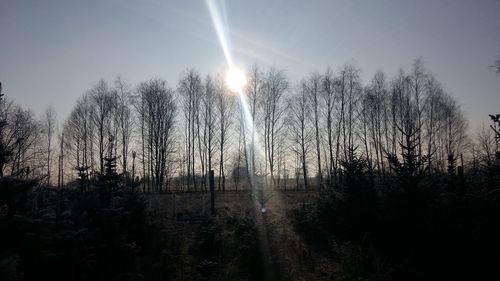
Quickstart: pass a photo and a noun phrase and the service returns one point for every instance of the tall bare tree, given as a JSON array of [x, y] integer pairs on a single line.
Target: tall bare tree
[[455, 127], [418, 79], [5, 142], [209, 122], [190, 89], [253, 92], [313, 86], [375, 103], [103, 105], [79, 129], [274, 88], [225, 107], [410, 117], [328, 87], [124, 120], [300, 127], [19, 132], [158, 100], [49, 126], [21, 135], [60, 165]]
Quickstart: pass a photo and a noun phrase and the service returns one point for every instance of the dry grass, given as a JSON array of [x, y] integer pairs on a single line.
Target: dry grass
[[238, 224]]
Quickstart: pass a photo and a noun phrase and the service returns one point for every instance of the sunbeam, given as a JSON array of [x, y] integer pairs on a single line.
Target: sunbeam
[[235, 78], [221, 30]]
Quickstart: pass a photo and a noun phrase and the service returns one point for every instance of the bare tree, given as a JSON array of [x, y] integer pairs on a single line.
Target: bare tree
[[49, 126], [60, 169], [140, 107], [418, 79], [455, 127], [410, 118], [209, 122], [225, 110], [190, 89], [22, 133], [408, 126], [313, 86], [274, 88], [253, 92], [329, 86], [300, 127], [354, 89], [431, 110], [19, 132], [366, 130], [103, 104], [486, 143], [124, 120], [375, 118], [5, 142], [78, 130], [159, 119], [341, 127]]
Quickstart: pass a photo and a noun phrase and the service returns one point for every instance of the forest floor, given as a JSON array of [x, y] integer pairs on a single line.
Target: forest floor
[[239, 242]]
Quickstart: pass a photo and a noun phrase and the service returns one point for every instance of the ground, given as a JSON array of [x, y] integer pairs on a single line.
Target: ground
[[243, 242]]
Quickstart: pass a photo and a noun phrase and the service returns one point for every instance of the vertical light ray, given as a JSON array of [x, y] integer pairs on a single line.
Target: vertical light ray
[[220, 29], [247, 127]]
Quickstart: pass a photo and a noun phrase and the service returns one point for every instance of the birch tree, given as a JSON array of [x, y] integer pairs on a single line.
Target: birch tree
[[49, 126]]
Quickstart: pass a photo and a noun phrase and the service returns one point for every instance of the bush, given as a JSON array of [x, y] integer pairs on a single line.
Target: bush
[[431, 230], [64, 234]]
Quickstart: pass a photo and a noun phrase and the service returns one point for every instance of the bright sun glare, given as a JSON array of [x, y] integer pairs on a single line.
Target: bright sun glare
[[235, 79]]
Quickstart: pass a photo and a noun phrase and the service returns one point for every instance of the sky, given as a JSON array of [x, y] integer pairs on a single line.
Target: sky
[[51, 52]]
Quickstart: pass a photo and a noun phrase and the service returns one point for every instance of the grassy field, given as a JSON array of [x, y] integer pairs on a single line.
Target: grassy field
[[239, 242]]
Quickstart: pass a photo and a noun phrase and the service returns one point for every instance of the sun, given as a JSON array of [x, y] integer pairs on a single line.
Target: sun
[[235, 79]]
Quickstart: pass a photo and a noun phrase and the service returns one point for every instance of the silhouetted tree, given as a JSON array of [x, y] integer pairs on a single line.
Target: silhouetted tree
[[110, 181], [124, 120], [274, 88], [409, 169], [254, 91], [313, 85], [225, 108], [49, 126], [300, 127], [159, 121], [5, 149], [103, 104], [208, 122], [190, 89], [329, 87], [60, 169], [346, 119]]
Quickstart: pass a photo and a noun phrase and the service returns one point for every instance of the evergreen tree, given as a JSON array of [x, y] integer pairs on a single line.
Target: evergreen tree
[[110, 181]]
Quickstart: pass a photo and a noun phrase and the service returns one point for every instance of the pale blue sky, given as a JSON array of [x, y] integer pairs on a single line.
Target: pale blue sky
[[53, 51]]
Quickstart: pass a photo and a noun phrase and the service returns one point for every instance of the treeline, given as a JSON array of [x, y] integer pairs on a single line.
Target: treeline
[[284, 134]]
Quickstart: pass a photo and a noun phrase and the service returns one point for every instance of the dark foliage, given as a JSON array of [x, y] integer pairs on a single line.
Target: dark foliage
[[63, 234], [439, 227]]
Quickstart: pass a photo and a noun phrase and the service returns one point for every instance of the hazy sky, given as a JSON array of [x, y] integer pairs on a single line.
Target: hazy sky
[[51, 51]]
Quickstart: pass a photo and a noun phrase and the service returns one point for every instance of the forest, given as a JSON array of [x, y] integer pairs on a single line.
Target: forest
[[325, 178]]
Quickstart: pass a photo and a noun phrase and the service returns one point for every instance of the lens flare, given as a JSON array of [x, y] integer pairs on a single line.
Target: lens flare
[[220, 28], [235, 79]]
